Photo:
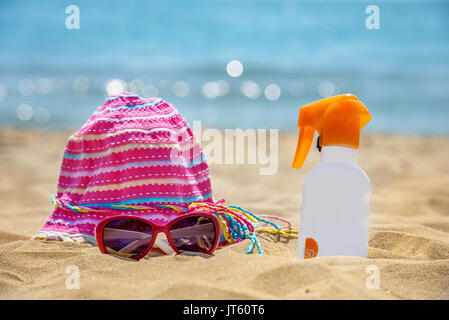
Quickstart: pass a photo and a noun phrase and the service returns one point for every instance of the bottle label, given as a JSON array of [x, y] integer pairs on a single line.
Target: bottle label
[[311, 248]]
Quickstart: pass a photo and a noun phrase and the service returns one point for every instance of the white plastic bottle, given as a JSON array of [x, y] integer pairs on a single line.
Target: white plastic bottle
[[335, 205]]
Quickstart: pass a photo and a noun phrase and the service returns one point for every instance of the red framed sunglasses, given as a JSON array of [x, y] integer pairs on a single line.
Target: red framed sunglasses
[[133, 237]]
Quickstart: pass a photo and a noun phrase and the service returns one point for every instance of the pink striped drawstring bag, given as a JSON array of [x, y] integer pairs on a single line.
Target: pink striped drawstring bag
[[139, 157]]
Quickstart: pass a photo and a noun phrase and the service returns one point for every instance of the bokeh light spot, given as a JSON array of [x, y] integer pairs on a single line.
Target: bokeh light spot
[[181, 89], [272, 92], [26, 87], [251, 89], [234, 68], [211, 90], [24, 112], [115, 86], [326, 89], [44, 86]]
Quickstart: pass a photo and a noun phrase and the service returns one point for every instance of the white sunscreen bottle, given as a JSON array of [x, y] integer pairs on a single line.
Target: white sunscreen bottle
[[335, 207]]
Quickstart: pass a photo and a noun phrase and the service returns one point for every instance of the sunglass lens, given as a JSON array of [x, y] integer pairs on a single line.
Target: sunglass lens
[[194, 234], [127, 238]]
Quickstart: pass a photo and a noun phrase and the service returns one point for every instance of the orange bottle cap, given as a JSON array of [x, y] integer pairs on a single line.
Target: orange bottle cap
[[337, 119]]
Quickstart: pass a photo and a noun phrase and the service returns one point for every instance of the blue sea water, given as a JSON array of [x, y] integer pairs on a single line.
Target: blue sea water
[[309, 48]]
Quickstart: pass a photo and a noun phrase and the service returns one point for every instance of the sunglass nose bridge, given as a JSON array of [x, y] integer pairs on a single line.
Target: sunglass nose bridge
[[162, 243]]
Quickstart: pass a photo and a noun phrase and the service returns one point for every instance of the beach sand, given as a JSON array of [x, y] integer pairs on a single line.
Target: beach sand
[[408, 246]]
